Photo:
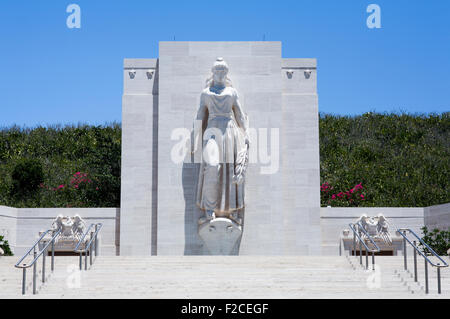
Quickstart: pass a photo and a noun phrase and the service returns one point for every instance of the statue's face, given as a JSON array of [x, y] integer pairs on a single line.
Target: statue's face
[[220, 75]]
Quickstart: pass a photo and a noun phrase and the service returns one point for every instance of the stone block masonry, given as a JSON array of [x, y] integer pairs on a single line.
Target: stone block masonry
[[282, 214]]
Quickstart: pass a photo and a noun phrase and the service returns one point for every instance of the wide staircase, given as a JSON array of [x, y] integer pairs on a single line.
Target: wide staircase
[[225, 277]]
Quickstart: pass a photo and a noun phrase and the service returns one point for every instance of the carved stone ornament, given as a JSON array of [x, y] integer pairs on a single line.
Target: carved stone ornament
[[307, 74], [377, 227], [72, 228], [150, 74]]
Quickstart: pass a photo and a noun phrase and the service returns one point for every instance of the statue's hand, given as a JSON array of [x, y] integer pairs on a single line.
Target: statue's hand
[[247, 140], [238, 179]]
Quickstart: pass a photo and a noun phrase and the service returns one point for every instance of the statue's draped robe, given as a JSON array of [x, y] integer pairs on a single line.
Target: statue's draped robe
[[223, 140]]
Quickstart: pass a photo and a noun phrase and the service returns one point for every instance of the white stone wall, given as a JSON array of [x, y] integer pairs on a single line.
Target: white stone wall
[[184, 68], [301, 159], [159, 215], [139, 157], [438, 217], [24, 225]]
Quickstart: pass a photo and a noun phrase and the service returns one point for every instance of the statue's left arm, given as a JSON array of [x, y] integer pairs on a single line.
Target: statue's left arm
[[241, 161], [241, 117]]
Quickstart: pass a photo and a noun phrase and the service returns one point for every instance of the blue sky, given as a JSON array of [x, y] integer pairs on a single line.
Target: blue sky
[[52, 74]]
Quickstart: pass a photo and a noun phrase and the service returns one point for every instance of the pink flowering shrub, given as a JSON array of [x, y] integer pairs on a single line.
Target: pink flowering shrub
[[352, 197], [79, 179], [76, 192]]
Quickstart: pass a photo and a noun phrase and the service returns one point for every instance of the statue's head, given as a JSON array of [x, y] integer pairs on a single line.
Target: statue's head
[[219, 73], [57, 222]]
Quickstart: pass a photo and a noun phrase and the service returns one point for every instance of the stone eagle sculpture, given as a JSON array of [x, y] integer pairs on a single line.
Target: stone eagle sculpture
[[72, 228], [377, 227]]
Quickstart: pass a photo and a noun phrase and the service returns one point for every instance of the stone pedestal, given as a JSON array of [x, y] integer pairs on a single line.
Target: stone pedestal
[[395, 249], [220, 235]]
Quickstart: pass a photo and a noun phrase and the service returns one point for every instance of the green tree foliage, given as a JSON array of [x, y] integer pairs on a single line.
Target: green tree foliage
[[438, 240], [4, 245], [401, 160], [92, 151], [26, 177]]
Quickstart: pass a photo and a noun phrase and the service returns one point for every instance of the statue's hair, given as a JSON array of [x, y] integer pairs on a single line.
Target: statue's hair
[[219, 63]]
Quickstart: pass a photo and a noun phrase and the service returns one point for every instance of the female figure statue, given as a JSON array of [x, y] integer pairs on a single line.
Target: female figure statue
[[220, 189]]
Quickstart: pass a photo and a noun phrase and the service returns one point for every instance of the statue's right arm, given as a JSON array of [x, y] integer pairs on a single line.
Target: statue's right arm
[[202, 109], [201, 116]]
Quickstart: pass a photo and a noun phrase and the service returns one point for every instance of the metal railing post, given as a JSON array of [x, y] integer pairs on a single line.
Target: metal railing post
[[367, 259], [53, 254], [81, 260], [43, 265], [96, 250], [90, 255], [90, 249], [34, 272], [360, 252], [24, 279], [415, 263], [85, 258], [373, 260], [404, 251], [426, 276], [439, 278], [354, 244]]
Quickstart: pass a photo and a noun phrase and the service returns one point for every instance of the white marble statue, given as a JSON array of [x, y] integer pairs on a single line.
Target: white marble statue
[[220, 191], [377, 227]]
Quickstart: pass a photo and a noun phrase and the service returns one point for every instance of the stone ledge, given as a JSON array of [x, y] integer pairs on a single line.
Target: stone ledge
[[290, 63], [140, 63]]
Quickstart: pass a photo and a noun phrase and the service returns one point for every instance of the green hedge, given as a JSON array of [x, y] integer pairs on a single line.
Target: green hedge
[[400, 160], [397, 159], [91, 151]]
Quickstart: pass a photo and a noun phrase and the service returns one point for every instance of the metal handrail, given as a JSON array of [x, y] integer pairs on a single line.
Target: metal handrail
[[377, 250], [36, 256], [362, 243], [402, 232], [82, 238], [88, 247]]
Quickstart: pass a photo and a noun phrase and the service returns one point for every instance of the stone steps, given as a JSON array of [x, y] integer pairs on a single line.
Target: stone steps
[[222, 277], [395, 266]]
